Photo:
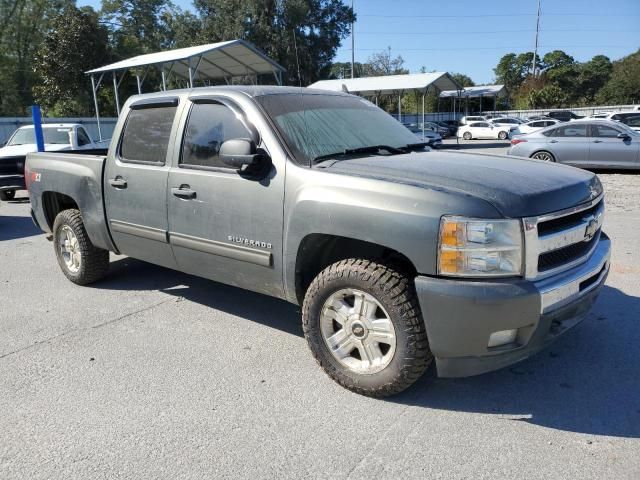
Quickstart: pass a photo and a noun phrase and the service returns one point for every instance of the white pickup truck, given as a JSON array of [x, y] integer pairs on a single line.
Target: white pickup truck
[[57, 137]]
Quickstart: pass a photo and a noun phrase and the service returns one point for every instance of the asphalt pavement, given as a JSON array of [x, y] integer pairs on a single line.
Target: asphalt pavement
[[151, 373]]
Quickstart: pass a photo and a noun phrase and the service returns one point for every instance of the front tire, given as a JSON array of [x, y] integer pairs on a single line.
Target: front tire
[[363, 324], [467, 135], [80, 261], [7, 195]]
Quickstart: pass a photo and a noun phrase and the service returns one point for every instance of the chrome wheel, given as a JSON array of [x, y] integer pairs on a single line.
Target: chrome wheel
[[70, 249], [358, 331], [545, 156]]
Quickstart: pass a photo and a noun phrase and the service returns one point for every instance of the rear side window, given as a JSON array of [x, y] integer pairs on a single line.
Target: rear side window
[[209, 125], [568, 131], [146, 134], [480, 125]]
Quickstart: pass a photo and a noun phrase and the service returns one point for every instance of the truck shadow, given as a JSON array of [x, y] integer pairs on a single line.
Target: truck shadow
[[474, 144], [131, 274], [13, 228], [586, 382]]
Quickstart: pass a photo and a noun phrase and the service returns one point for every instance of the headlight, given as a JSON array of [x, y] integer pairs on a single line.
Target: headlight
[[480, 248]]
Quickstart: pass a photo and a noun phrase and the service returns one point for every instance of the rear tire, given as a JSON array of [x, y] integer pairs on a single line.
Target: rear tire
[[7, 195], [503, 135], [80, 261], [467, 135], [544, 156], [363, 324]]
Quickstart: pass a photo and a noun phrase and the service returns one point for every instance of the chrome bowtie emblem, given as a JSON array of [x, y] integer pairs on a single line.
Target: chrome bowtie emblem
[[590, 231]]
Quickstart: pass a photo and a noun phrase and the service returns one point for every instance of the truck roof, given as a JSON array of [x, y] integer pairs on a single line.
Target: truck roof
[[249, 90]]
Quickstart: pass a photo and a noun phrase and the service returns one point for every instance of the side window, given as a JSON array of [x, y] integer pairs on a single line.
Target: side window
[[83, 138], [603, 131], [209, 125], [480, 125], [569, 131], [146, 134], [537, 124]]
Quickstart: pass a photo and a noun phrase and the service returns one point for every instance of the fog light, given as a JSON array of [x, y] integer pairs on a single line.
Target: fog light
[[502, 337]]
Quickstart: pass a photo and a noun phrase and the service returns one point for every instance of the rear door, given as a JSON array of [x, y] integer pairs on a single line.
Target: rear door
[[224, 226], [607, 150], [569, 143], [135, 187]]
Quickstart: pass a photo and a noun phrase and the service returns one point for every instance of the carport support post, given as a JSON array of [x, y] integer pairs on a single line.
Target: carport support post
[[164, 79], [495, 101], [115, 91], [138, 82], [423, 95], [95, 104], [400, 106]]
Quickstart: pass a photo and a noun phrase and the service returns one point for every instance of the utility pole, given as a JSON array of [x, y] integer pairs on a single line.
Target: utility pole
[[353, 46], [535, 50]]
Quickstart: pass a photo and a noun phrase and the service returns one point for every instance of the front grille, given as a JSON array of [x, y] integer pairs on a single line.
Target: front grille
[[556, 258], [568, 221]]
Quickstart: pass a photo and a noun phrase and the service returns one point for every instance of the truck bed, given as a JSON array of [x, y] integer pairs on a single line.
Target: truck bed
[[79, 178]]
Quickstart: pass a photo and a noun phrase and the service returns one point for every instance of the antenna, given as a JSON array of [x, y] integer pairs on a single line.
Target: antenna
[[535, 51], [295, 46]]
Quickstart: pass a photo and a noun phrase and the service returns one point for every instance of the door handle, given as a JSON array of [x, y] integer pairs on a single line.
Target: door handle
[[183, 192], [597, 141], [118, 182], [553, 141]]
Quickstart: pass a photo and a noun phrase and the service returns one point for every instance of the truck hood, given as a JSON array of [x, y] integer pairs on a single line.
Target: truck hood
[[17, 150], [516, 187]]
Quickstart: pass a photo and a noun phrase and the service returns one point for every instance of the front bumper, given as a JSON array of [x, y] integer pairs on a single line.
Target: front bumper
[[11, 182], [460, 316]]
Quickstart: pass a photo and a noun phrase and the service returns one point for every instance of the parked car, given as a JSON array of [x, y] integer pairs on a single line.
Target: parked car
[[631, 119], [439, 129], [472, 118], [533, 126], [450, 125], [506, 121], [536, 117], [431, 138], [59, 136], [583, 143], [396, 255], [564, 115], [484, 130]]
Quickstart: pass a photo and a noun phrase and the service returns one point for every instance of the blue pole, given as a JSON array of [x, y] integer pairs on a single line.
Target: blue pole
[[37, 126]]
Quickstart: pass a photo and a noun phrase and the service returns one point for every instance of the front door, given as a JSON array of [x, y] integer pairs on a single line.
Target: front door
[[222, 225], [569, 143], [607, 150], [135, 185]]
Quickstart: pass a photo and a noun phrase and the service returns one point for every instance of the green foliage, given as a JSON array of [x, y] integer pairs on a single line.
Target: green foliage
[[623, 85], [463, 80], [74, 44]]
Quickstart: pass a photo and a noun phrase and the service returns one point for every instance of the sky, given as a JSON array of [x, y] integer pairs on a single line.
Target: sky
[[470, 36]]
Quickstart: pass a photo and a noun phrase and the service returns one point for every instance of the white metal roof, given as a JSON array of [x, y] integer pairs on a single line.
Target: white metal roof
[[479, 91], [233, 58], [368, 86]]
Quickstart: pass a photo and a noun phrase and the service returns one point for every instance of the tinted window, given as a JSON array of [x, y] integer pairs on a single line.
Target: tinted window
[[568, 131], [83, 138], [146, 134], [537, 124], [633, 121], [209, 125], [603, 131], [480, 125]]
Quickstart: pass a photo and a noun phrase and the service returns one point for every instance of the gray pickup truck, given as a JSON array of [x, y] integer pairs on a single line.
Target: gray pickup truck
[[398, 255]]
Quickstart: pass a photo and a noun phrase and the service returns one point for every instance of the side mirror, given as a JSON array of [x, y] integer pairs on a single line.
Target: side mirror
[[242, 154], [624, 136]]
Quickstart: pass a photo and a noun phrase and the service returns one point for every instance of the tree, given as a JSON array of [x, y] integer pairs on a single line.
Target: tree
[[463, 80], [343, 70], [301, 35], [624, 83], [75, 43], [22, 31], [592, 76], [382, 63], [512, 69]]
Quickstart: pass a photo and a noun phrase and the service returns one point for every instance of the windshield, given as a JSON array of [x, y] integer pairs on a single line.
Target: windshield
[[318, 125], [52, 135]]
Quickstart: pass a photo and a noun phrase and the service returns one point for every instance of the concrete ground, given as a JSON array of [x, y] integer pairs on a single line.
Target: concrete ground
[[155, 374]]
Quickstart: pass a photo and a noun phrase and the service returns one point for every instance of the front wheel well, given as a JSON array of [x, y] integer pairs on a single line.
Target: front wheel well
[[53, 203], [318, 251]]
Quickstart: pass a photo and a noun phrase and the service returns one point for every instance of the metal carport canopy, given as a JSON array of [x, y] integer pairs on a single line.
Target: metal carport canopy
[[234, 58], [475, 92], [389, 84]]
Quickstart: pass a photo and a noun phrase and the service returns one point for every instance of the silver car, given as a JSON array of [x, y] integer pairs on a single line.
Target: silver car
[[582, 143]]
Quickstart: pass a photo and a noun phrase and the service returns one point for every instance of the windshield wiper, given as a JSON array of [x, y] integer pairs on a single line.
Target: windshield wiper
[[351, 151]]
